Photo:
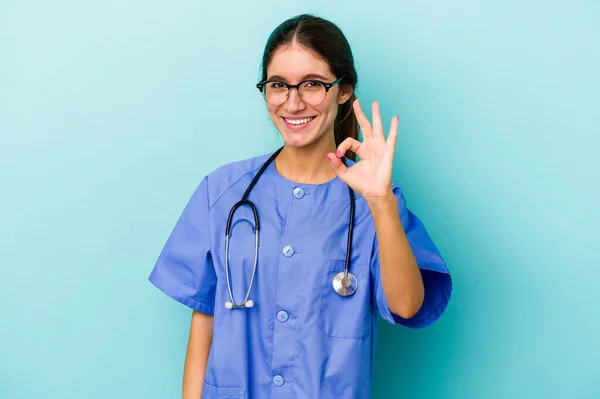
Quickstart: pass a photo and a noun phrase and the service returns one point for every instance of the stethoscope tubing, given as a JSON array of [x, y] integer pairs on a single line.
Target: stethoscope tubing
[[338, 281]]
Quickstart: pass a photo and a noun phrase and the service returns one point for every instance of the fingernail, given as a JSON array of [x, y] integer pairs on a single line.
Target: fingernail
[[329, 157], [338, 153]]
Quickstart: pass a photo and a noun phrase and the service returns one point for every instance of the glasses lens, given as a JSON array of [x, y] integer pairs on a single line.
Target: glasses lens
[[312, 92], [275, 93]]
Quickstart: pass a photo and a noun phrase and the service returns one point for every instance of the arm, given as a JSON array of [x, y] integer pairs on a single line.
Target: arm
[[371, 177], [400, 276], [201, 334]]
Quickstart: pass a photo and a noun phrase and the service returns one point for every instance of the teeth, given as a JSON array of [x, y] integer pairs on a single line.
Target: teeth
[[298, 121]]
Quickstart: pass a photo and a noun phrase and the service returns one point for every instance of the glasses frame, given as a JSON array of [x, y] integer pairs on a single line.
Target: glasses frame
[[260, 85]]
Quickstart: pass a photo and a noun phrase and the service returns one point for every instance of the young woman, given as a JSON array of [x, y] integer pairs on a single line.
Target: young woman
[[286, 285]]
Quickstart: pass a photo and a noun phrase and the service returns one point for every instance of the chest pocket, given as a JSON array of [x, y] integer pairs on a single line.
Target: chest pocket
[[345, 316], [212, 392]]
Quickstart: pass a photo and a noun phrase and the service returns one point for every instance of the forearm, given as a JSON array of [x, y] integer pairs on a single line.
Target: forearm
[[197, 355], [400, 275]]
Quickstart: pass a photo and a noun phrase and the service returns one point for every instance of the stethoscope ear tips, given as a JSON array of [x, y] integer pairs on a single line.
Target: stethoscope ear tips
[[248, 304]]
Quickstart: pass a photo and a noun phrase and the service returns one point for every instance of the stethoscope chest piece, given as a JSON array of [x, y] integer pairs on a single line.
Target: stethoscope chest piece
[[345, 285]]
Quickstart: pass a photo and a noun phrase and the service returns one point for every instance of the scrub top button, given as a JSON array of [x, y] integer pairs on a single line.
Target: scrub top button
[[278, 380], [288, 250], [298, 192], [282, 316]]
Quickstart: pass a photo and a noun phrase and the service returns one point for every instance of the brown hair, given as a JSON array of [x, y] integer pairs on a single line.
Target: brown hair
[[326, 40]]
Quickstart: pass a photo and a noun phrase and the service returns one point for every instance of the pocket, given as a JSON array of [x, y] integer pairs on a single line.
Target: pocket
[[212, 392], [345, 316]]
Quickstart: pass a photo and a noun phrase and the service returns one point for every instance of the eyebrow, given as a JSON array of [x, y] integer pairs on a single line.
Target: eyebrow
[[309, 76]]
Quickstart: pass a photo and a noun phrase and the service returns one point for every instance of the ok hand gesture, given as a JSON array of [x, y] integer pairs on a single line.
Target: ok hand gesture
[[371, 176]]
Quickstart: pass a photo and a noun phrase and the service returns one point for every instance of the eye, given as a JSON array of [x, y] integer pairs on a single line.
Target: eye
[[276, 85], [313, 83]]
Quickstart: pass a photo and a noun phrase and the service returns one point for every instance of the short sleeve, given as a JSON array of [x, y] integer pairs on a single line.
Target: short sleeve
[[184, 269], [436, 277]]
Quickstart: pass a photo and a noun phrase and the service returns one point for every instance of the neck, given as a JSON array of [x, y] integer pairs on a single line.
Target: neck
[[307, 165]]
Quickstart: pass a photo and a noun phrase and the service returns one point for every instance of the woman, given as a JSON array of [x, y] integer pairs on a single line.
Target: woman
[[306, 328]]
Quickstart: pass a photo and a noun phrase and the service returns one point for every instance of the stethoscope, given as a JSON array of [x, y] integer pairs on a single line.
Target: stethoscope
[[344, 283]]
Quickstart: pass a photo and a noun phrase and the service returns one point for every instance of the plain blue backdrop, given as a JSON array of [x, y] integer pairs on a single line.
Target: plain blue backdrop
[[111, 113]]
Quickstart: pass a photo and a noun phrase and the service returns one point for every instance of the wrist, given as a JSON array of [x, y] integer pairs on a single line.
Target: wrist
[[388, 201]]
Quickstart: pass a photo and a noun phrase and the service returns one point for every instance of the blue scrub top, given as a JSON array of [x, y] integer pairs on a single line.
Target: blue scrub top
[[301, 339]]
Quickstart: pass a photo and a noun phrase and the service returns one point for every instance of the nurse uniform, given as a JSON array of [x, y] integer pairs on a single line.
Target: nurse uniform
[[301, 339]]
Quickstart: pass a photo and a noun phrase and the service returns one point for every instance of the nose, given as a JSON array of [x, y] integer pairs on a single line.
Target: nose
[[294, 103]]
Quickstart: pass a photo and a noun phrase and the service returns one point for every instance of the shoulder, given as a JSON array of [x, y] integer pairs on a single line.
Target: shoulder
[[226, 176]]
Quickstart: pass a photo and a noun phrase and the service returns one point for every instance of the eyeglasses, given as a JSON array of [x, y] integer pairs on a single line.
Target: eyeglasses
[[311, 91]]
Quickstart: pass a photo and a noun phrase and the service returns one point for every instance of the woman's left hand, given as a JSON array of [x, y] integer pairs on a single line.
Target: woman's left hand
[[371, 176]]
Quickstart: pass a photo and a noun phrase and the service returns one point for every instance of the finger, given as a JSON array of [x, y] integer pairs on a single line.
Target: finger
[[348, 144], [337, 164], [393, 135], [377, 125], [365, 126]]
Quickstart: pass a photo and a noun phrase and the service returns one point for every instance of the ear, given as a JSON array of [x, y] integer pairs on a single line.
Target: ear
[[345, 93]]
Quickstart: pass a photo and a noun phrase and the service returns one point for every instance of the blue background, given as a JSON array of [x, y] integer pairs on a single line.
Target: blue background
[[111, 112]]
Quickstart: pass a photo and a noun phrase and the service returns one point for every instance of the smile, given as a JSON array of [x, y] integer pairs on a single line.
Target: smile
[[298, 123]]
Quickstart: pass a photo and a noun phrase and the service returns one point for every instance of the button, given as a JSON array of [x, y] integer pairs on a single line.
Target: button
[[288, 250], [282, 316], [278, 380], [298, 192]]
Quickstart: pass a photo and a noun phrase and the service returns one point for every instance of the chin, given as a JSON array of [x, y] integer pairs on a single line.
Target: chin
[[300, 138], [297, 139], [297, 142]]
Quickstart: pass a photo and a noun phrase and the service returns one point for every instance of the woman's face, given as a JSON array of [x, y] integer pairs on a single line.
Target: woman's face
[[292, 64]]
